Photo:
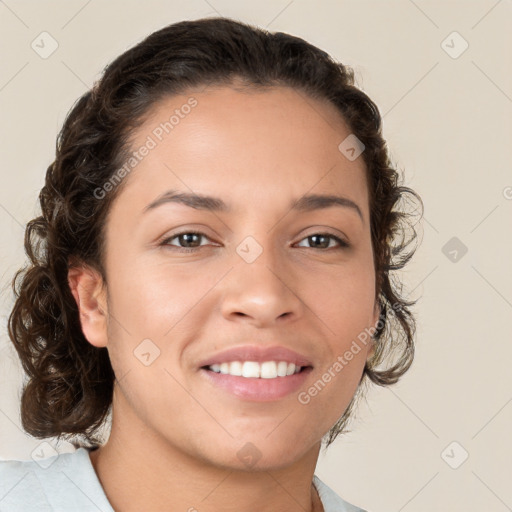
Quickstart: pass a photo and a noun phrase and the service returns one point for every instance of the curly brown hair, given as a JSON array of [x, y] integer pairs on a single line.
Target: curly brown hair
[[69, 386]]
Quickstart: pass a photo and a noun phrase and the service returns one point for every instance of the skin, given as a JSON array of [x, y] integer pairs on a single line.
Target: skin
[[175, 437]]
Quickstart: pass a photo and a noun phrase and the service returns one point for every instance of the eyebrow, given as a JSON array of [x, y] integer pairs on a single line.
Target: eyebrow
[[305, 203]]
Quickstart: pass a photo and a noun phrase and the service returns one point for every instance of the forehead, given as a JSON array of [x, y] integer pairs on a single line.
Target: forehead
[[263, 143]]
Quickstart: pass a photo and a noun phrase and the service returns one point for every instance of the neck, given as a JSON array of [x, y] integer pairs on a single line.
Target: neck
[[139, 470]]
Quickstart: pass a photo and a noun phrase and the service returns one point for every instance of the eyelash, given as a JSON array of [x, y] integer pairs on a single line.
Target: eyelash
[[165, 242]]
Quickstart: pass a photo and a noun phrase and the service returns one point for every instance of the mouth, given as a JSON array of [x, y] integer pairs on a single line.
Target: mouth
[[256, 382], [256, 373]]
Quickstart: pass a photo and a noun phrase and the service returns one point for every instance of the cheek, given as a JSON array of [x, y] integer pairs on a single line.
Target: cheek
[[345, 305], [344, 298], [148, 300], [155, 310]]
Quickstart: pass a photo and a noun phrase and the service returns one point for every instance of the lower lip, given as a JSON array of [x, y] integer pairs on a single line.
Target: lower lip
[[258, 390]]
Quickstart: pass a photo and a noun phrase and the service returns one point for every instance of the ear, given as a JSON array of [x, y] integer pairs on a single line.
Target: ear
[[88, 289]]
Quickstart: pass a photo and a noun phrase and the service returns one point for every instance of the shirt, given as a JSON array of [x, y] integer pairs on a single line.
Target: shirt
[[68, 482]]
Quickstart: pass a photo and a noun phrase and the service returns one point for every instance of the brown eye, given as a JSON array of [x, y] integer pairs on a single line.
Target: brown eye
[[323, 241], [188, 240]]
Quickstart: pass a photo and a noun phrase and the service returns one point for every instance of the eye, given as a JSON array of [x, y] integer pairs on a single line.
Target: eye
[[186, 237], [319, 241]]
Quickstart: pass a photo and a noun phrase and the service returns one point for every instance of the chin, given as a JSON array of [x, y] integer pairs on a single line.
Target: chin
[[262, 455]]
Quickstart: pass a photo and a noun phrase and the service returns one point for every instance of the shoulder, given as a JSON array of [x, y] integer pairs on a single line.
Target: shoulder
[[331, 501], [51, 484]]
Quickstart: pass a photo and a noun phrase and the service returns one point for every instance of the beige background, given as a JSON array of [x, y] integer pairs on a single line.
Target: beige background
[[448, 122]]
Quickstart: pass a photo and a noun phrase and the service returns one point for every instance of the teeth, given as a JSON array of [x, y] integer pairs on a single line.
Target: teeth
[[255, 370], [282, 368], [250, 369], [268, 370], [236, 368]]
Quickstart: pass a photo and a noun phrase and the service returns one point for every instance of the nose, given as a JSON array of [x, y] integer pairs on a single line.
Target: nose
[[262, 293]]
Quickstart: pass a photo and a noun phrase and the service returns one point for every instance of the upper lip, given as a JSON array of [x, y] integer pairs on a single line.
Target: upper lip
[[258, 354]]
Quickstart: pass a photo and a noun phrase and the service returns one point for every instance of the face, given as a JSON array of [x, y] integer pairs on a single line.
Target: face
[[191, 283]]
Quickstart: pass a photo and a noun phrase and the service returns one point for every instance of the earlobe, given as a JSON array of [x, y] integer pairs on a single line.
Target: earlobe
[[87, 287]]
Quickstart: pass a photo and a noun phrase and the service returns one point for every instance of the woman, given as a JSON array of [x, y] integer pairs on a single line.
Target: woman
[[214, 267]]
